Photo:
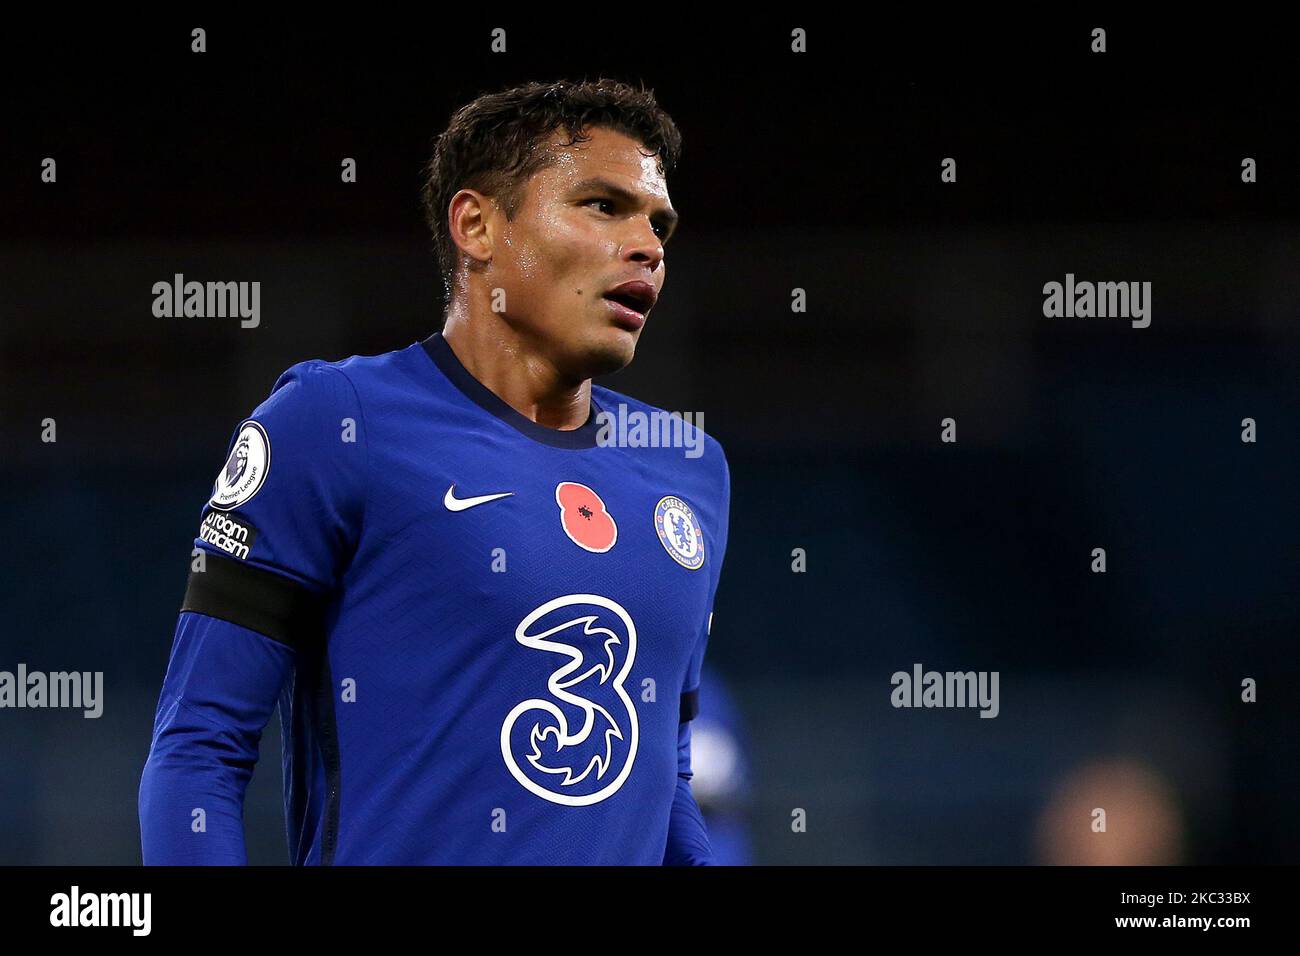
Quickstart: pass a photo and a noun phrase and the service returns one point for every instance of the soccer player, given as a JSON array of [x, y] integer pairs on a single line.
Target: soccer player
[[483, 622]]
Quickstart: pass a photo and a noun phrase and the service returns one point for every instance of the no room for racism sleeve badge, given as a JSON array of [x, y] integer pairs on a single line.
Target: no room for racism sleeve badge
[[680, 532], [245, 470]]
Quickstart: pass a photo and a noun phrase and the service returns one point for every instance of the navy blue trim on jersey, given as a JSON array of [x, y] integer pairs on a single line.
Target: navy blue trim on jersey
[[690, 708], [259, 600], [584, 437], [327, 726]]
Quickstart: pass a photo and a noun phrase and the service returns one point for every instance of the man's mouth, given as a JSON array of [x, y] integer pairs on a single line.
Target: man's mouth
[[632, 301]]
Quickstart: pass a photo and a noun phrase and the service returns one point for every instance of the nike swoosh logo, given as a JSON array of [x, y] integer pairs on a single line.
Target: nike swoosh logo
[[460, 504]]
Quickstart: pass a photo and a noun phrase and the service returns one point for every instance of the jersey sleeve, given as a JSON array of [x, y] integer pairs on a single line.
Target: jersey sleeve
[[290, 497], [219, 694], [688, 837], [690, 691], [274, 540]]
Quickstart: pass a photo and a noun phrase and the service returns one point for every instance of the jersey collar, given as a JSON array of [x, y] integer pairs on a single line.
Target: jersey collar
[[443, 357]]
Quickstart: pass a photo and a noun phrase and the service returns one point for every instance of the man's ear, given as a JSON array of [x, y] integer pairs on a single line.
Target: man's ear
[[469, 217]]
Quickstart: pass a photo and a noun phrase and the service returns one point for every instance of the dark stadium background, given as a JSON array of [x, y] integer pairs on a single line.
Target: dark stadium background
[[819, 172]]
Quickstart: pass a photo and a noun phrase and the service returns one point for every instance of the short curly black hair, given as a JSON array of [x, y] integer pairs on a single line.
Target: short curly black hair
[[490, 144]]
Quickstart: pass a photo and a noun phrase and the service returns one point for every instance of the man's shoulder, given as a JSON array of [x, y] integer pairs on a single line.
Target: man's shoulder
[[348, 380], [361, 370]]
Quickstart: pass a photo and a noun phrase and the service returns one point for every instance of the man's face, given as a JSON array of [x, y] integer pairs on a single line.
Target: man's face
[[582, 261]]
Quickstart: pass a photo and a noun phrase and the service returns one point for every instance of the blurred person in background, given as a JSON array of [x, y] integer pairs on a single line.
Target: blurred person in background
[[722, 783], [1142, 818]]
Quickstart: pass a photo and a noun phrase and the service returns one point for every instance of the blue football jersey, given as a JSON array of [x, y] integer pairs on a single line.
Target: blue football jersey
[[485, 635]]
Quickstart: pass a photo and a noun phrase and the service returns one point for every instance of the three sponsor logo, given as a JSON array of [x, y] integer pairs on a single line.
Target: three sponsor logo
[[576, 763]]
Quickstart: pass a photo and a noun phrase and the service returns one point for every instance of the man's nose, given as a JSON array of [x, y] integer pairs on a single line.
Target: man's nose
[[643, 245]]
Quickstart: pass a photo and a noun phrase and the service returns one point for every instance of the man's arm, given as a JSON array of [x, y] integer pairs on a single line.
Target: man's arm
[[688, 838], [274, 539], [221, 687]]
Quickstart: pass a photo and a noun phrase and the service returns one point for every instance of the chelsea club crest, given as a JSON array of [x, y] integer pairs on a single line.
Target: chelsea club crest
[[680, 532]]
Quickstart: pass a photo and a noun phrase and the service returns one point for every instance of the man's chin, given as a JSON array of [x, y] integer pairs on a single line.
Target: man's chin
[[609, 352]]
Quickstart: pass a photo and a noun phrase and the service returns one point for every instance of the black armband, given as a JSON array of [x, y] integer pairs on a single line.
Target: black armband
[[260, 600]]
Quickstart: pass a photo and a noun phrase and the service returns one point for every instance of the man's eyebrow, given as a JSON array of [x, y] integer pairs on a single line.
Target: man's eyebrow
[[665, 217]]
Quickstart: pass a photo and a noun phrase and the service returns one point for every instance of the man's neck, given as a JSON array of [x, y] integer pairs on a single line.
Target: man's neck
[[514, 370]]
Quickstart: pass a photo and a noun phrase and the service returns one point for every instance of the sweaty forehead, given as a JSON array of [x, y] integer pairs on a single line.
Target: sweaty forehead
[[606, 154]]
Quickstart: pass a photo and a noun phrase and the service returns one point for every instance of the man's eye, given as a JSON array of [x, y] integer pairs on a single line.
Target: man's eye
[[605, 205]]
